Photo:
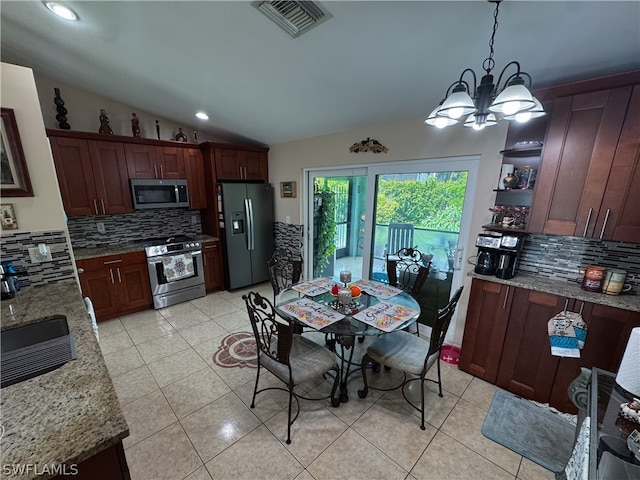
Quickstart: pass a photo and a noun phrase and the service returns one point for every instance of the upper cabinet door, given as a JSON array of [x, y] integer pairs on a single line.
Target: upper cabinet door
[[111, 177], [255, 166], [141, 160], [619, 217], [228, 164], [576, 161], [75, 175], [194, 167], [170, 162]]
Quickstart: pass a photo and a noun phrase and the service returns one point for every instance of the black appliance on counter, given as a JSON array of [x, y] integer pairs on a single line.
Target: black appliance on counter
[[498, 254]]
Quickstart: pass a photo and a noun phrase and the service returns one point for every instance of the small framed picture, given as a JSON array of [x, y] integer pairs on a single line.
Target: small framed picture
[[14, 178], [9, 221], [288, 189]]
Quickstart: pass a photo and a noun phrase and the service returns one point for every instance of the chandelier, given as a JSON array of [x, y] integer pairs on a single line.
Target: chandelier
[[486, 103]]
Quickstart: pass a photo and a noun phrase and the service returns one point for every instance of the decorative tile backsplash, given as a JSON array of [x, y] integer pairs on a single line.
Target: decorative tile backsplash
[[15, 247], [560, 257], [288, 240], [139, 225]]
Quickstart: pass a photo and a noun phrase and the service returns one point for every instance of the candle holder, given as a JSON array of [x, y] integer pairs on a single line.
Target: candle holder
[[344, 300], [345, 277]]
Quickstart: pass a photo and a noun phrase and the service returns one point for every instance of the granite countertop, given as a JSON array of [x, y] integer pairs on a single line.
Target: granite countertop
[[565, 289], [83, 253], [67, 415]]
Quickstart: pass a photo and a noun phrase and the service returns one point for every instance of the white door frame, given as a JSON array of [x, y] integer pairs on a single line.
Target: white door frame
[[470, 164]]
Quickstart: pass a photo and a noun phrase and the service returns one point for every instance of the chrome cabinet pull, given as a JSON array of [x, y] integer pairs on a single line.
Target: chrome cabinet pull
[[566, 304], [161, 172], [104, 212], [95, 206], [506, 295], [586, 226], [581, 307], [111, 274], [604, 224], [110, 262], [81, 270], [119, 276]]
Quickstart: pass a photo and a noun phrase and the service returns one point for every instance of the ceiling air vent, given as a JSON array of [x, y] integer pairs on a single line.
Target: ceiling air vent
[[295, 18]]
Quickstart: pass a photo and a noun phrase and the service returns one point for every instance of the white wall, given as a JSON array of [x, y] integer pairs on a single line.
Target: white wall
[[407, 140], [44, 210], [84, 112]]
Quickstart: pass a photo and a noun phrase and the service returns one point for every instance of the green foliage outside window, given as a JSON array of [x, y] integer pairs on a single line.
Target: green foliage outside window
[[434, 203], [324, 228]]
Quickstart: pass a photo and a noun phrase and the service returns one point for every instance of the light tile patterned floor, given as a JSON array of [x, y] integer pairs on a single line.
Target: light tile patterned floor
[[190, 418]]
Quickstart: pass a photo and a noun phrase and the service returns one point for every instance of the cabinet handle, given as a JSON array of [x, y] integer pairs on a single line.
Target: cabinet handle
[[111, 274], [95, 206], [119, 276], [581, 307], [111, 262], [506, 295], [586, 225], [155, 171], [161, 172], [81, 270], [604, 224], [104, 211]]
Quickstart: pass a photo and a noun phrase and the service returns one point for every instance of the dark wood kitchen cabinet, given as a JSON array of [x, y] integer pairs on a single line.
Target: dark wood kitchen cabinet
[[194, 169], [527, 367], [212, 261], [591, 154], [92, 176], [485, 327], [241, 163], [152, 161], [514, 352], [109, 464], [116, 284]]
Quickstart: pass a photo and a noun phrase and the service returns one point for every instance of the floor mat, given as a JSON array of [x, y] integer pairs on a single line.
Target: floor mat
[[535, 432]]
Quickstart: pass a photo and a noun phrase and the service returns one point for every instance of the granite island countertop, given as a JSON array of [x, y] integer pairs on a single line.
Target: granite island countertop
[[83, 253], [67, 415], [565, 289]]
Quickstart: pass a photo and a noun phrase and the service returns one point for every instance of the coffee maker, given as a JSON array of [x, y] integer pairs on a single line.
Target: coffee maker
[[498, 254]]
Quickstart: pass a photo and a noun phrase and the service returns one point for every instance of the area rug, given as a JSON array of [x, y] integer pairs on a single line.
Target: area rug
[[533, 431], [237, 350]]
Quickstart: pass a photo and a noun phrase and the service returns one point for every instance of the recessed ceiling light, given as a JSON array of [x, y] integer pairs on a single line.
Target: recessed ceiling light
[[202, 116], [62, 10]]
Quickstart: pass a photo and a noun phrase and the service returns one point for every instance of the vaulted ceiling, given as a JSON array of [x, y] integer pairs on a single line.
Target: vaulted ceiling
[[372, 62]]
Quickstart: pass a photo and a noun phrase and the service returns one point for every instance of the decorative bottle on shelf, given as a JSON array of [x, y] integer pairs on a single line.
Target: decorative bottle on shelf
[[104, 123], [195, 137], [509, 181], [135, 125], [62, 111], [158, 129], [181, 137]]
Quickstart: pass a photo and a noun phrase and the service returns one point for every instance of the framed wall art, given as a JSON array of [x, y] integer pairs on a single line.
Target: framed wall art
[[14, 176], [288, 189], [8, 217]]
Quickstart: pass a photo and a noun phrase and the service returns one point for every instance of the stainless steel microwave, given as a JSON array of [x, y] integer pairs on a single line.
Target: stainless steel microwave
[[154, 193]]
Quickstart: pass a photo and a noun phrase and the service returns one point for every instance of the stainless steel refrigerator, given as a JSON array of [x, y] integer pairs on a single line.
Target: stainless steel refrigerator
[[247, 232]]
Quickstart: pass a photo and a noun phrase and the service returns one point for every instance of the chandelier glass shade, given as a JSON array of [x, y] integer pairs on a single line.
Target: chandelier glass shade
[[484, 104]]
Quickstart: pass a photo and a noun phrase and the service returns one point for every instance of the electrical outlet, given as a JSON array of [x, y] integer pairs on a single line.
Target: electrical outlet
[[101, 228], [40, 254], [194, 219]]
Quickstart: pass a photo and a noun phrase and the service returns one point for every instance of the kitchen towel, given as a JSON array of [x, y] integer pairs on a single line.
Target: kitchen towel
[[563, 337], [178, 266]]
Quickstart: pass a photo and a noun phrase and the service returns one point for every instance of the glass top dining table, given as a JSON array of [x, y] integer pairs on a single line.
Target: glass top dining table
[[349, 326], [342, 333]]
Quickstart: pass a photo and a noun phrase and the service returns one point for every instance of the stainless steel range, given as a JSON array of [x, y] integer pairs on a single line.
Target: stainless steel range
[[175, 270]]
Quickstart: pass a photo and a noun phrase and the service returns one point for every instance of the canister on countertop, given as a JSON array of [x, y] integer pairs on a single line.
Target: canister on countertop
[[593, 278]]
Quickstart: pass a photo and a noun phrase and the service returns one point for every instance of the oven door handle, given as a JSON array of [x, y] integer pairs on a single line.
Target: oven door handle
[[248, 211], [158, 259]]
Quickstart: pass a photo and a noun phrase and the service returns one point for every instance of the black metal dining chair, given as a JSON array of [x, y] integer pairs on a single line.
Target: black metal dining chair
[[411, 355], [408, 269], [283, 272], [293, 359]]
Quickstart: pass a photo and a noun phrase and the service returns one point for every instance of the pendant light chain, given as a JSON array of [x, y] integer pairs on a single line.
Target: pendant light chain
[[489, 63]]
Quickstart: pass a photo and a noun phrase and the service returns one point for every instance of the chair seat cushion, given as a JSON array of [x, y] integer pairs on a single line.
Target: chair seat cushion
[[402, 351], [308, 360]]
